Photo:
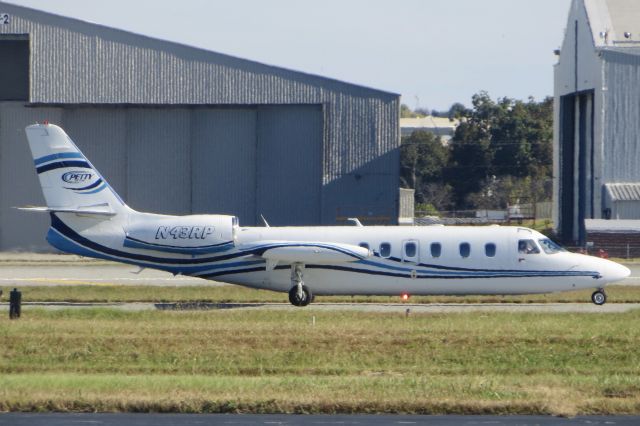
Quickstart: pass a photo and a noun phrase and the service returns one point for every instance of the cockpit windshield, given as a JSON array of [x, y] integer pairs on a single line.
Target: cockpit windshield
[[550, 247]]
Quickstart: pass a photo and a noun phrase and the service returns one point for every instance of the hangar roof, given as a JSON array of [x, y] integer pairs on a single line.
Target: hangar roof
[[68, 57]]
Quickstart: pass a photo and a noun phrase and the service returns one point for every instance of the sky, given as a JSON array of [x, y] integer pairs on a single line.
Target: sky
[[432, 52]]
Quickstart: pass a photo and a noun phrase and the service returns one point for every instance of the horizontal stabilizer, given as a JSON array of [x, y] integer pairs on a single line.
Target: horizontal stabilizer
[[98, 209]]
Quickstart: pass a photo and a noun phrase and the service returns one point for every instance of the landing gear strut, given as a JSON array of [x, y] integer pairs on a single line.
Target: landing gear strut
[[599, 297], [299, 294]]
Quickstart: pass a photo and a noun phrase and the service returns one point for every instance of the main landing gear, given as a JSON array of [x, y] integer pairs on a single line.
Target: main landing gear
[[299, 294], [599, 297]]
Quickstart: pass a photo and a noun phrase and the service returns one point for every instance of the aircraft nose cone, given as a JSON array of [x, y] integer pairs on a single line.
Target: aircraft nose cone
[[615, 272]]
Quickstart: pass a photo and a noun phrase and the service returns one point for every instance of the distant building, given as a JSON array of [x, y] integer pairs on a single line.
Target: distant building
[[597, 115], [407, 206], [621, 201], [439, 126], [181, 130], [619, 238]]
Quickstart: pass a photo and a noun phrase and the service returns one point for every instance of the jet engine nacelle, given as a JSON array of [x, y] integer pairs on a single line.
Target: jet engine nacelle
[[195, 234]]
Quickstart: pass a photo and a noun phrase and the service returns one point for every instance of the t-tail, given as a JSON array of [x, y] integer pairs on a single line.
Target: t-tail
[[69, 181], [88, 218], [78, 198]]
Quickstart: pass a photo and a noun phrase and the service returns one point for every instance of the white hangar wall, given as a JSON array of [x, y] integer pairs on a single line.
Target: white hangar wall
[[597, 113]]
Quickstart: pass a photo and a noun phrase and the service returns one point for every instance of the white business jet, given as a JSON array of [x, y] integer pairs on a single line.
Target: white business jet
[[89, 219]]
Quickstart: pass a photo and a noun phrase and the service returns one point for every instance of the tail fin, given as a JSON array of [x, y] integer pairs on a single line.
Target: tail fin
[[69, 181]]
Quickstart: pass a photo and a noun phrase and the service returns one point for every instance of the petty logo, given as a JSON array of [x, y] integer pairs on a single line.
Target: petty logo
[[76, 177]]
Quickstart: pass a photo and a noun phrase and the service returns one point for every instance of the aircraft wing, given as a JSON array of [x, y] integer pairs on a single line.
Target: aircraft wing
[[317, 253]]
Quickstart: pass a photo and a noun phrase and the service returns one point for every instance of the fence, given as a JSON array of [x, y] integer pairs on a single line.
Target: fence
[[514, 213]]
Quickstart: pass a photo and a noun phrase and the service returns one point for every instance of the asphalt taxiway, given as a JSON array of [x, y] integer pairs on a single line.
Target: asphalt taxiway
[[154, 419]]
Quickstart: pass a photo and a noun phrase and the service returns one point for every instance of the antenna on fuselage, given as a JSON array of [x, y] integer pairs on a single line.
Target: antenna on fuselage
[[354, 220], [265, 221]]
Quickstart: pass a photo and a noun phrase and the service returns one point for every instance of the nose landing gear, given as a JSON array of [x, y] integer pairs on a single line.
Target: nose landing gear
[[299, 294], [599, 297]]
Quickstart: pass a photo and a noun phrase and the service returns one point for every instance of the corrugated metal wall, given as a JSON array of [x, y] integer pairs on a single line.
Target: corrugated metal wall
[[351, 131], [625, 210], [621, 145], [19, 185], [223, 146], [159, 160]]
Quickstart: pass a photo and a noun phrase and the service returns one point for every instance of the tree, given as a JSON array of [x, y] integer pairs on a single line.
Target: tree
[[457, 110], [496, 140], [522, 139], [471, 154], [422, 159], [406, 112]]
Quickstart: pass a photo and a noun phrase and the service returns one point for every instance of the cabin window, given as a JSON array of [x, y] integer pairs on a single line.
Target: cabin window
[[465, 249], [436, 249], [490, 249], [385, 249], [364, 245], [410, 249], [528, 247]]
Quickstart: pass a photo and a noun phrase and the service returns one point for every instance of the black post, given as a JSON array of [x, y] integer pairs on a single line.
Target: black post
[[15, 301]]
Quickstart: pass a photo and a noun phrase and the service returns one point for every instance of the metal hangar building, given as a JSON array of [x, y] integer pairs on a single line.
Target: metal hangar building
[[597, 116], [180, 130]]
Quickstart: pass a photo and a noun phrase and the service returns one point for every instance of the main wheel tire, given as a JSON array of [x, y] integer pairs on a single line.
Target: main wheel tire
[[307, 297], [599, 297]]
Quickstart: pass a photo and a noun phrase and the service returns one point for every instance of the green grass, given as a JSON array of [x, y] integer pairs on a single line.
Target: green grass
[[279, 361], [231, 293]]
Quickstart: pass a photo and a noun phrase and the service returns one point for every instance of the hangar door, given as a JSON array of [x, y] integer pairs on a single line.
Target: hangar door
[[576, 165], [289, 164], [252, 161], [245, 160]]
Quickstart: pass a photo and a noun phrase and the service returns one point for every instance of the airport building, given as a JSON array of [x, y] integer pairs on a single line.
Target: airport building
[[597, 116], [181, 130], [439, 126]]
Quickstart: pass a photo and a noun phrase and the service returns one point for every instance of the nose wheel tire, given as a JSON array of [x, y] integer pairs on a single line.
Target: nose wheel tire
[[300, 298], [599, 297]]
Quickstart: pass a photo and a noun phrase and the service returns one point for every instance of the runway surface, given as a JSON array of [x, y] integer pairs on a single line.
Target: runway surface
[[59, 419], [98, 273]]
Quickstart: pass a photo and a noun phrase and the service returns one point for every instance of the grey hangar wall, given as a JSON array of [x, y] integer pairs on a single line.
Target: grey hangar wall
[[180, 130]]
